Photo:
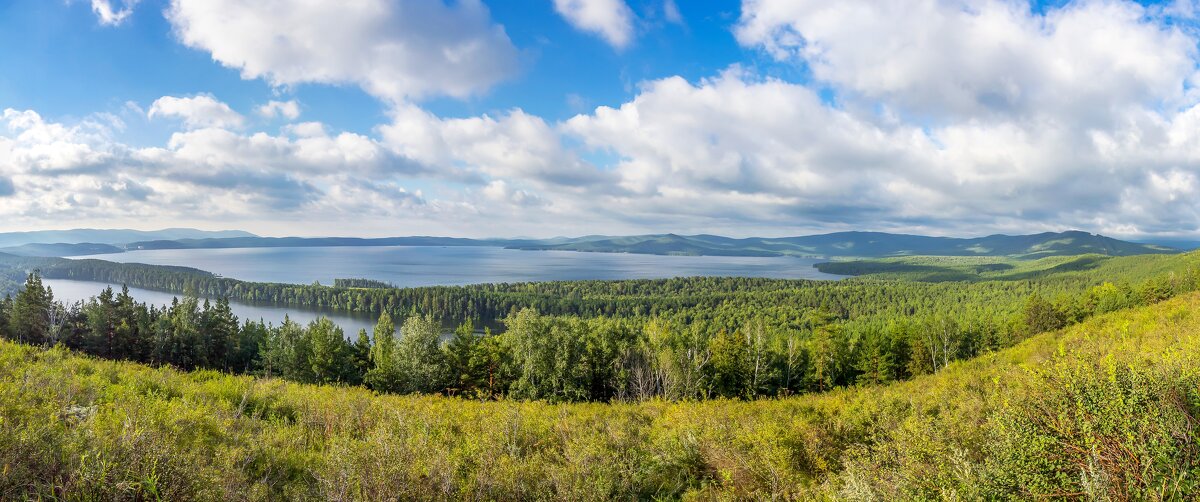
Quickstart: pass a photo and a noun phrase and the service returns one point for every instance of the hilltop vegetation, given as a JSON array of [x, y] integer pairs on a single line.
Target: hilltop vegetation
[[991, 268], [696, 338], [1104, 410], [878, 387]]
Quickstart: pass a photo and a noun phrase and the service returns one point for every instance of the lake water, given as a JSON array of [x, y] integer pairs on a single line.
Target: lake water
[[411, 266], [68, 291], [407, 266]]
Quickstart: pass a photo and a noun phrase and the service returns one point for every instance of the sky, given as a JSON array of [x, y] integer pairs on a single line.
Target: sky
[[541, 118]]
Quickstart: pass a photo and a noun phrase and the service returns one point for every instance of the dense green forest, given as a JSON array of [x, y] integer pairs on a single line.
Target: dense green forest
[[690, 338], [1105, 410]]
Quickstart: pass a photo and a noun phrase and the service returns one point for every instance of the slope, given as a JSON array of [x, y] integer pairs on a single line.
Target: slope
[[1105, 409]]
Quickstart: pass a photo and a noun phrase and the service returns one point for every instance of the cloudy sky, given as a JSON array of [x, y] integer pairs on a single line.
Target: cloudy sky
[[571, 117]]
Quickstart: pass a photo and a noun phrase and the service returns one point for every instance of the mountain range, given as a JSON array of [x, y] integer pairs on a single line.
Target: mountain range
[[833, 245], [109, 236], [862, 245]]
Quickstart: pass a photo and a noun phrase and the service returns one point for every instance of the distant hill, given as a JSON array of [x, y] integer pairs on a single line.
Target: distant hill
[[60, 249], [110, 236], [864, 244], [1183, 244], [842, 244], [291, 242]]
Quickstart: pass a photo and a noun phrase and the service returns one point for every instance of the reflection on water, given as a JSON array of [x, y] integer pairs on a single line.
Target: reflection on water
[[69, 291]]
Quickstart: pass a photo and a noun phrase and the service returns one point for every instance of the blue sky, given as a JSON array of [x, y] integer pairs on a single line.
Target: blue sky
[[570, 117], [70, 64]]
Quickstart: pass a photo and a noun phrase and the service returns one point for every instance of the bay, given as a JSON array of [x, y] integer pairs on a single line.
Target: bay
[[414, 266], [70, 291]]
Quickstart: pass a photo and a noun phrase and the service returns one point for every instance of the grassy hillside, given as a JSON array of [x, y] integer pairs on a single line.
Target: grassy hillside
[[1104, 409]]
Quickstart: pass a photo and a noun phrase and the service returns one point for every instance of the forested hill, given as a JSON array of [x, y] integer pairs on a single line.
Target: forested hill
[[109, 236], [842, 244], [60, 249], [866, 244]]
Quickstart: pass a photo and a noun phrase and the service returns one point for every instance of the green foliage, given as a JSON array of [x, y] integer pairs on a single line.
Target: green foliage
[[1104, 410], [29, 315]]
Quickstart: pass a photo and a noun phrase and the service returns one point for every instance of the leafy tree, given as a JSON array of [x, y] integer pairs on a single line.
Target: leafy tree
[[547, 353], [730, 370], [419, 356], [1041, 315]]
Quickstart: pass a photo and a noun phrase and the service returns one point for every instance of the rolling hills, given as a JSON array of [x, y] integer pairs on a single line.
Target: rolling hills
[[864, 244], [844, 244], [1112, 418], [109, 236]]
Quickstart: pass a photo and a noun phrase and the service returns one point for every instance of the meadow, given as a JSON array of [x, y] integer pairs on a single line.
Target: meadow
[[1105, 409]]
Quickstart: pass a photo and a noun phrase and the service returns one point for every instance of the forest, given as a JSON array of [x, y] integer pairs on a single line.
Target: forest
[[1103, 410], [675, 339]]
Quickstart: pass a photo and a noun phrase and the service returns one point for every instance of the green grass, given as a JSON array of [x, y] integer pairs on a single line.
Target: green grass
[[1103, 409], [988, 268]]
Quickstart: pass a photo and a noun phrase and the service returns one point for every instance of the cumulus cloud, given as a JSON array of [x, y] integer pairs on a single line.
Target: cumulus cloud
[[287, 109], [80, 171], [31, 145], [394, 49], [971, 59], [196, 111], [740, 150], [514, 145], [947, 116], [611, 20], [110, 16]]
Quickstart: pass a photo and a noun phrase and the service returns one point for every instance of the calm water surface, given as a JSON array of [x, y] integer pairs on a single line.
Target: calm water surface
[[68, 291], [408, 266]]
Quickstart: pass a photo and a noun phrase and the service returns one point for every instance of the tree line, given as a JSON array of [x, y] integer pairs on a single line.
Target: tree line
[[746, 345]]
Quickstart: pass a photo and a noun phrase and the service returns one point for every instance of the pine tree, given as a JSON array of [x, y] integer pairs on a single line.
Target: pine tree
[[30, 321]]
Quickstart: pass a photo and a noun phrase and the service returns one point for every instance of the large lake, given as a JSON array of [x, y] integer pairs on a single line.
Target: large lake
[[407, 266]]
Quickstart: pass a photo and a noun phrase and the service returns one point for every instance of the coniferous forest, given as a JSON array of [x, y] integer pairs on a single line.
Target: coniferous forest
[[677, 339], [1058, 381]]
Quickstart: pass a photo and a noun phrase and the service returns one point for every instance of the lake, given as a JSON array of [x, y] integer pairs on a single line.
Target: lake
[[412, 266]]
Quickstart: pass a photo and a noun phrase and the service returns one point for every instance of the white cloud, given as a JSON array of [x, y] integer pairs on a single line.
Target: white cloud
[[949, 116], [31, 145], [611, 20], [671, 12], [394, 49], [515, 145], [975, 59], [736, 151], [196, 111], [287, 109], [109, 16]]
